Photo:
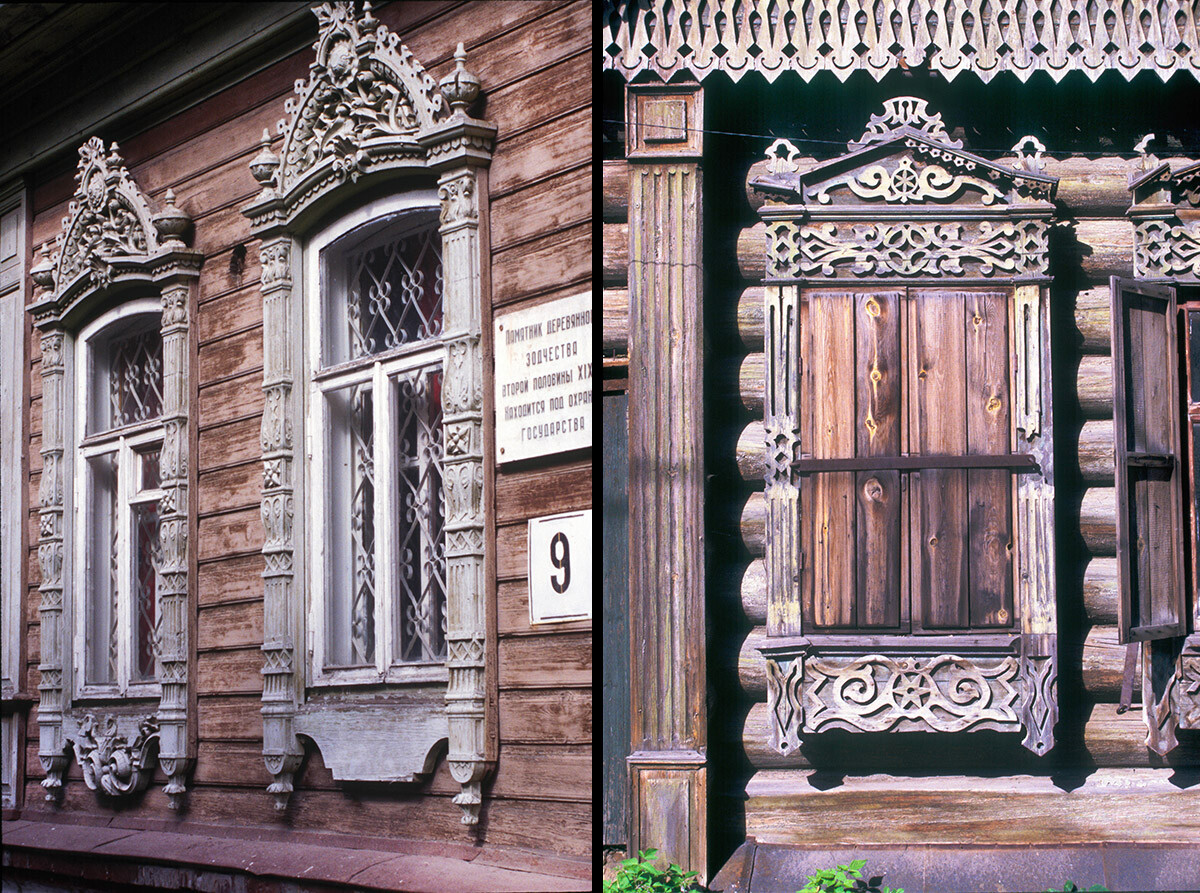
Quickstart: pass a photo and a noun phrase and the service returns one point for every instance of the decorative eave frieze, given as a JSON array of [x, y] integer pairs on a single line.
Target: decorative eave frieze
[[700, 37], [907, 200]]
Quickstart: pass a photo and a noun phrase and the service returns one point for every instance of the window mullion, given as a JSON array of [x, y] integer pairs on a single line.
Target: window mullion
[[125, 624], [385, 532]]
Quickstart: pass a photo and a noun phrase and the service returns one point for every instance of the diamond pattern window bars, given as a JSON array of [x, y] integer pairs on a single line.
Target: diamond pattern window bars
[[379, 390], [121, 536]]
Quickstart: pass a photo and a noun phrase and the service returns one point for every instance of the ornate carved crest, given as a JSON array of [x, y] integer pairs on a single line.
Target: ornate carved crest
[[906, 201], [364, 84]]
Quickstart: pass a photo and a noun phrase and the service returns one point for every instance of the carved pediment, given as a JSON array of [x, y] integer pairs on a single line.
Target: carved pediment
[[363, 85], [110, 233], [905, 157]]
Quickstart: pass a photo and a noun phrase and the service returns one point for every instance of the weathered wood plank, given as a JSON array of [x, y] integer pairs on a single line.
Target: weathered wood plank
[[546, 716], [232, 442], [232, 399], [230, 579], [237, 486], [827, 519], [229, 672], [989, 510], [546, 661], [877, 429], [615, 191], [234, 532], [615, 330], [229, 626], [544, 491], [512, 612], [937, 426], [230, 717], [556, 145], [512, 545], [552, 205], [237, 310], [783, 807], [552, 262], [615, 265], [1100, 591]]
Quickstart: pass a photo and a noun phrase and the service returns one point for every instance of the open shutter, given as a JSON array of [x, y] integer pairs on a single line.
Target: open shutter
[[1149, 462]]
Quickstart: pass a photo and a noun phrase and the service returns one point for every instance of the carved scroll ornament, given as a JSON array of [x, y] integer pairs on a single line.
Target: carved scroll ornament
[[111, 763]]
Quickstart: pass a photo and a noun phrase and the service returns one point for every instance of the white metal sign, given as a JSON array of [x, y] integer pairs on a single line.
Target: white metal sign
[[560, 567], [544, 379]]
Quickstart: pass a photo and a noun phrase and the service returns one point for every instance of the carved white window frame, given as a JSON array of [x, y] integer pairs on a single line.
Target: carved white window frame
[[423, 355], [368, 121], [112, 245], [81, 385]]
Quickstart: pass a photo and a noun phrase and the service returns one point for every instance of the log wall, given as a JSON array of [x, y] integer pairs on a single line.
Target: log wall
[[541, 209], [1096, 242]]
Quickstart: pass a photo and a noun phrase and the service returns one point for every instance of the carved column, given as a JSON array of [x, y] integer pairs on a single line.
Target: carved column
[[281, 750], [667, 772], [462, 476], [174, 754], [50, 558]]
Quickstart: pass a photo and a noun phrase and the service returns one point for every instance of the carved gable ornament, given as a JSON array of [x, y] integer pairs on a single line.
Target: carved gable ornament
[[367, 106], [906, 201]]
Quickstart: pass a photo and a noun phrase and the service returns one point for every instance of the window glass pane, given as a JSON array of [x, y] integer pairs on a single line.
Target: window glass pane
[[151, 479], [127, 378], [384, 291], [421, 572], [101, 570], [145, 602], [350, 527]]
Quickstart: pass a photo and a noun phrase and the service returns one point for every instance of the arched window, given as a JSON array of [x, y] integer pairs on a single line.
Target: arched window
[[374, 287]]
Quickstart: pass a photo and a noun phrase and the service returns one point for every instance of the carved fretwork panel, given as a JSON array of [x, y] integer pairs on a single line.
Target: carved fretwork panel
[[909, 479], [703, 36], [368, 110], [111, 238]]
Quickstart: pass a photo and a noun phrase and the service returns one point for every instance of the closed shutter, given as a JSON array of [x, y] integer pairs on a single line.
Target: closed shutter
[[1149, 462]]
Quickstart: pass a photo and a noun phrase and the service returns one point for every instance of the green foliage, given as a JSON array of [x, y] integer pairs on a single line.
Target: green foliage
[[1072, 887], [640, 875], [845, 879]]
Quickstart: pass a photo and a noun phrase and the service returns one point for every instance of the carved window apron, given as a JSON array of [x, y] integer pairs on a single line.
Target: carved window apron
[[910, 486]]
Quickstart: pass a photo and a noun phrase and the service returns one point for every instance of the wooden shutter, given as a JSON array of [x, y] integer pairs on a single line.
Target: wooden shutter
[[1149, 462]]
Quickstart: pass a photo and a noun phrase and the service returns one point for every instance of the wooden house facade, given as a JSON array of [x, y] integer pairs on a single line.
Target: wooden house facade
[[900, 370], [266, 603]]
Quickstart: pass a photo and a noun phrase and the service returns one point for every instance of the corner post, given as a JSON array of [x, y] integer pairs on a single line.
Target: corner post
[[667, 763]]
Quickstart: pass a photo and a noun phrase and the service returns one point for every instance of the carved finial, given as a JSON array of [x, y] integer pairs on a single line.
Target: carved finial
[[368, 23], [43, 271], [1030, 161], [265, 162], [460, 87], [1149, 159], [904, 111], [782, 155], [171, 222]]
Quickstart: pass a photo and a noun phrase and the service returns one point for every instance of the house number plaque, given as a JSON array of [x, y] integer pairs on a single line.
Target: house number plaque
[[544, 379], [560, 567]]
